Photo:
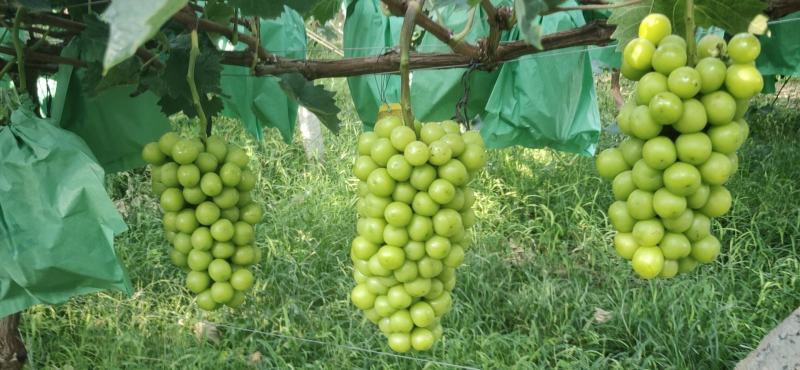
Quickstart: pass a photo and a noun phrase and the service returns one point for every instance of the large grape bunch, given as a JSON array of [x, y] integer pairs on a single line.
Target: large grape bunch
[[685, 125], [414, 211], [209, 215]]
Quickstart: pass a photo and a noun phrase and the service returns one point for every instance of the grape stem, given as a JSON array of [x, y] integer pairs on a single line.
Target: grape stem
[[468, 27], [690, 37], [23, 81], [14, 60], [193, 53], [405, 74]]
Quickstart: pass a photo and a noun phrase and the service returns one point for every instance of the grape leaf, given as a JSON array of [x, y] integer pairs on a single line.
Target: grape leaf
[[315, 98], [627, 20], [171, 105], [93, 81], [272, 8], [219, 12], [132, 24], [80, 8], [325, 10], [207, 68], [93, 40], [263, 9], [170, 83], [35, 5], [527, 12], [733, 16]]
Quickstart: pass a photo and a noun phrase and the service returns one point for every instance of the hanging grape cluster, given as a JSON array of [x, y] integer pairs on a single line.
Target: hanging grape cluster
[[685, 124], [209, 215], [414, 211]]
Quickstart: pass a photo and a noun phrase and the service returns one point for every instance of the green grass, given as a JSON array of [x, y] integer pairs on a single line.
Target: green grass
[[526, 297]]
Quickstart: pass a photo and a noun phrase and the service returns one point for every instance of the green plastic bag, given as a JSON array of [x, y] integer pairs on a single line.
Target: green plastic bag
[[547, 99], [114, 125], [607, 56], [493, 96], [368, 32], [434, 92], [260, 101], [780, 51], [57, 224]]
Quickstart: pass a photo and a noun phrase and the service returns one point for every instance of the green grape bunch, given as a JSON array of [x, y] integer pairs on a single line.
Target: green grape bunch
[[209, 215], [414, 213], [684, 124]]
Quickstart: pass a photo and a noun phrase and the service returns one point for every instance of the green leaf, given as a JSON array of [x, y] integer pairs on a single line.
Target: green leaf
[[219, 12], [315, 98], [733, 16], [527, 12], [93, 40], [326, 10], [627, 20], [208, 67], [171, 85], [35, 5], [263, 9], [93, 81], [171, 105], [132, 24], [272, 8], [78, 9]]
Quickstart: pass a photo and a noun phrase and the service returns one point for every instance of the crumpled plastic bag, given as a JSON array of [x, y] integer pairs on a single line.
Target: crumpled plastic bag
[[57, 223]]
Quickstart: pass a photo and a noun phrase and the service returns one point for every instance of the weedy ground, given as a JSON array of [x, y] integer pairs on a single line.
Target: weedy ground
[[541, 287]]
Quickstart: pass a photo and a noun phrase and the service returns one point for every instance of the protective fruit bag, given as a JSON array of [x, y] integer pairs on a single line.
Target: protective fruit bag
[[57, 223]]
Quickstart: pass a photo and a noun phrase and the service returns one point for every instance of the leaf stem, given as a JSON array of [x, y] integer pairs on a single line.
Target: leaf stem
[[193, 53], [468, 27], [405, 45], [235, 37], [690, 36], [23, 81]]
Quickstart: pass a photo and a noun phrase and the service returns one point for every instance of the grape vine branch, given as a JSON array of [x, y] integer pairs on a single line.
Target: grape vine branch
[[488, 53]]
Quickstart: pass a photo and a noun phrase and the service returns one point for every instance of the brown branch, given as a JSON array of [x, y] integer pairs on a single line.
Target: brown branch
[[77, 27], [55, 21], [12, 350], [34, 56], [505, 15], [189, 19], [781, 8], [494, 29], [595, 33], [398, 8]]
